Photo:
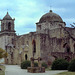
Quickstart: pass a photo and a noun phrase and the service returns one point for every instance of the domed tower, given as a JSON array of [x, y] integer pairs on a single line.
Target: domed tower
[[50, 21], [7, 31]]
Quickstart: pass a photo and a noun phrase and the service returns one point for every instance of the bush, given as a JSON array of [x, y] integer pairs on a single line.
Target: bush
[[72, 65], [60, 64], [44, 65], [35, 64], [25, 64]]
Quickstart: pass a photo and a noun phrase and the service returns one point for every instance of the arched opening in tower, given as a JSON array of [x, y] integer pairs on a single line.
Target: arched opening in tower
[[9, 26]]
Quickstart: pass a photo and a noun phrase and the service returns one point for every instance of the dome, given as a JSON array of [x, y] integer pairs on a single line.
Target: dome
[[50, 17], [7, 17]]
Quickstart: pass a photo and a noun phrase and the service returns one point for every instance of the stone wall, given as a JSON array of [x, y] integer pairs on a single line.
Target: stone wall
[[49, 45]]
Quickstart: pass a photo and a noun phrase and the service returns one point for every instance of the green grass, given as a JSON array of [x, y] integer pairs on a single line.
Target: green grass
[[3, 70], [67, 73]]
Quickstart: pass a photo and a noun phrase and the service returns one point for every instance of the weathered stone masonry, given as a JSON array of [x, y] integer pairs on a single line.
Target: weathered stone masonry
[[53, 40]]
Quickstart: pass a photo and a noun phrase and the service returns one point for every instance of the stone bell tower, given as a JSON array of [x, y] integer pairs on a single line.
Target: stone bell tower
[[7, 24], [7, 31]]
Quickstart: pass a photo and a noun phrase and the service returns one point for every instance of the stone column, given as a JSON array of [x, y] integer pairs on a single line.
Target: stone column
[[39, 62], [32, 62]]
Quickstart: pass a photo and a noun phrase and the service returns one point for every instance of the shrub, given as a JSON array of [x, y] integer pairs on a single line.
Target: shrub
[[60, 64], [72, 65], [25, 64], [3, 54], [35, 64], [44, 65]]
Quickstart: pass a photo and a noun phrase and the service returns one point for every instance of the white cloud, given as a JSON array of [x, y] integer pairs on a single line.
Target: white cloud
[[28, 12]]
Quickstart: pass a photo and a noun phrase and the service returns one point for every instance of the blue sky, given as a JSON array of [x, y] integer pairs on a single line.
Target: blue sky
[[28, 12]]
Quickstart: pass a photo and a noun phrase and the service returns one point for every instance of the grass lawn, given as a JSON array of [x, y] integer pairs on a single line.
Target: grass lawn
[[3, 70], [67, 73]]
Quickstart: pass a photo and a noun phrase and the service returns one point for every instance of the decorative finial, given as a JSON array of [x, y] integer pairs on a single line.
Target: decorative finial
[[50, 8], [7, 11]]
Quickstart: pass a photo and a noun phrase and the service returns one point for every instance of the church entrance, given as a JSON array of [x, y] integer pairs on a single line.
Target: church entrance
[[26, 56]]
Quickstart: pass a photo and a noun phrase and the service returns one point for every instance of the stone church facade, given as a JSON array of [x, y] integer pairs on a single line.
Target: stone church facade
[[52, 40]]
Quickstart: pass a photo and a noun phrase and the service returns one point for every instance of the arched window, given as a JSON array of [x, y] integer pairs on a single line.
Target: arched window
[[67, 47], [34, 46], [26, 56], [9, 26]]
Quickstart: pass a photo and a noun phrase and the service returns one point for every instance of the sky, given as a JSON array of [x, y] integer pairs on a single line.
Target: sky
[[28, 12]]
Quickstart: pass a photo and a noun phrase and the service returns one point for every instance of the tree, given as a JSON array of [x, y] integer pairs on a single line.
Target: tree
[[3, 54]]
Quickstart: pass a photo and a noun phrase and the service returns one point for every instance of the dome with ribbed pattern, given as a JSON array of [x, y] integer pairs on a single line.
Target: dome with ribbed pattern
[[50, 17]]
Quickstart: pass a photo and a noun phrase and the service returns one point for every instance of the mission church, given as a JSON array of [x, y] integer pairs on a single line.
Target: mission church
[[52, 40]]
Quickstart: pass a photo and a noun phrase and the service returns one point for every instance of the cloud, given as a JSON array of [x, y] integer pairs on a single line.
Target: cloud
[[28, 12]]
